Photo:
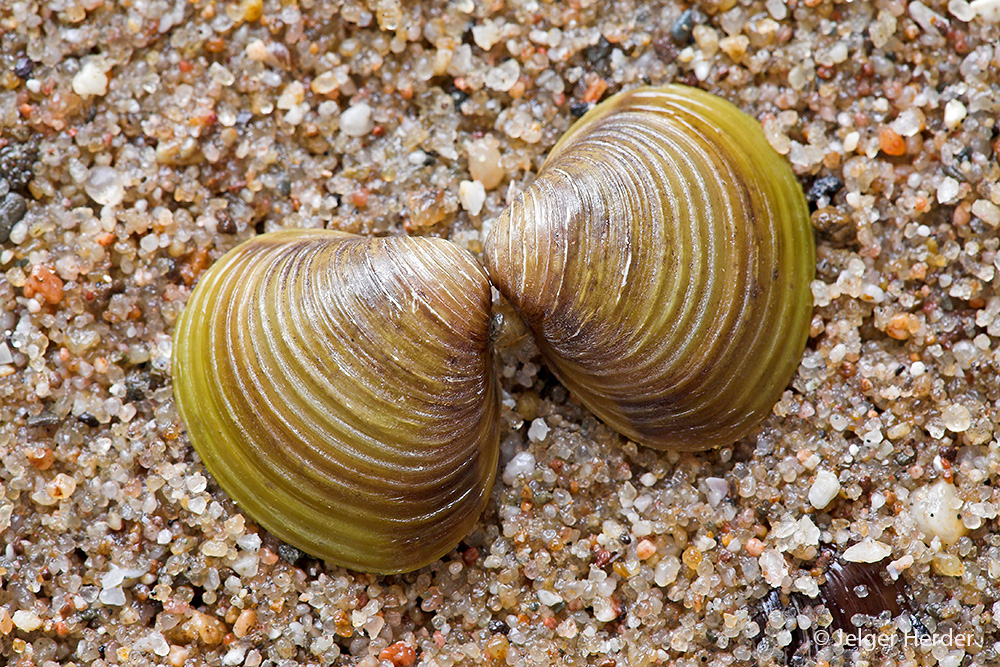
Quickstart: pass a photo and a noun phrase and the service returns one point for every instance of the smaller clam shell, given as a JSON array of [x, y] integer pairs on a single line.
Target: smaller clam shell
[[342, 391]]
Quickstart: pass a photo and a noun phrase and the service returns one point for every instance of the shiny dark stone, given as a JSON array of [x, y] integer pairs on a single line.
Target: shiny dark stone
[[89, 419], [23, 67], [12, 208], [684, 25], [824, 186], [496, 625], [289, 553]]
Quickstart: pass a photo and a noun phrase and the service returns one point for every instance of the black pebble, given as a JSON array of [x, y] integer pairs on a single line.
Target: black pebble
[[457, 97], [496, 625], [136, 385], [12, 208], [684, 25], [824, 186], [290, 554], [577, 109], [23, 67], [89, 419], [16, 162], [224, 224], [284, 186], [598, 54]]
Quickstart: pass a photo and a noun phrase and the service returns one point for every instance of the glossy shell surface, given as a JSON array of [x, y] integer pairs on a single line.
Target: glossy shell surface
[[342, 391], [662, 259]]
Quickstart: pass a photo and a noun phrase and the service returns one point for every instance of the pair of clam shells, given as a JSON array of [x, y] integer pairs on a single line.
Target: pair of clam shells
[[342, 390]]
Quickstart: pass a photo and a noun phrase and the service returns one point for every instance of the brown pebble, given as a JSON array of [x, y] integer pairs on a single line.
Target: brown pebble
[[244, 623], [890, 142], [194, 265], [215, 45], [645, 549], [209, 630], [40, 457], [691, 557], [754, 547], [902, 325], [399, 654], [426, 207], [6, 622], [496, 648], [45, 282]]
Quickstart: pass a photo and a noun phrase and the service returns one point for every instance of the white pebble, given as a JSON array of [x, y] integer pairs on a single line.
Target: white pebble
[[777, 9], [666, 571], [954, 114], [986, 211], [26, 620], [5, 356], [104, 186], [851, 141], [909, 122], [249, 542], [947, 191], [936, 510], [234, 656], [112, 596], [292, 95], [956, 418], [773, 567], [523, 463], [987, 10], [503, 78], [548, 598], [115, 576], [604, 611], [473, 196], [807, 585], [961, 10], [485, 161], [718, 488], [90, 80], [539, 430], [867, 551], [485, 35], [245, 564], [825, 488], [927, 18], [356, 121]]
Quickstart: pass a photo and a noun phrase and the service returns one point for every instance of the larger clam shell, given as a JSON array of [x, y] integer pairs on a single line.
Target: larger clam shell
[[662, 259], [342, 392]]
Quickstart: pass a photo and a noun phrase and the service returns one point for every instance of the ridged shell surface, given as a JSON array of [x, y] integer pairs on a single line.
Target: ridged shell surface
[[662, 259], [342, 391]]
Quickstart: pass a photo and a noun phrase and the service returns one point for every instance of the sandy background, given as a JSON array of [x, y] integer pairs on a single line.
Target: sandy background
[[141, 140]]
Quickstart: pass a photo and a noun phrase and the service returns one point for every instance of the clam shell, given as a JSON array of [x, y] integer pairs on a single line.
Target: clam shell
[[342, 391], [662, 259]]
